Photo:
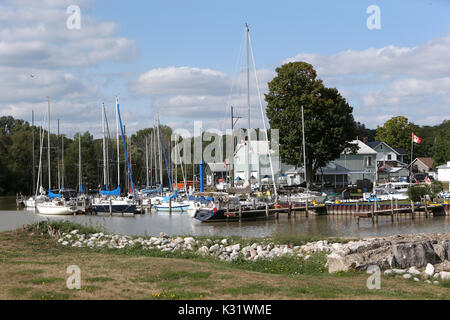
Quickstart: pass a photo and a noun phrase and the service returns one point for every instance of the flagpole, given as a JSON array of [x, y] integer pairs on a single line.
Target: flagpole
[[412, 150]]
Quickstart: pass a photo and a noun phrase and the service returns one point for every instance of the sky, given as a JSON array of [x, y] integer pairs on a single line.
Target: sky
[[185, 60]]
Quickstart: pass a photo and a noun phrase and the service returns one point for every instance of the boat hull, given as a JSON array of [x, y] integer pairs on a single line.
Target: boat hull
[[115, 208], [55, 211], [208, 215]]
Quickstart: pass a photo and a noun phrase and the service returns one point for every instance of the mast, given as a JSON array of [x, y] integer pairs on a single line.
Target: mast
[[160, 153], [118, 145], [59, 170], [304, 148], [80, 180], [62, 162], [48, 144], [32, 142], [248, 105], [146, 160], [151, 159], [105, 182]]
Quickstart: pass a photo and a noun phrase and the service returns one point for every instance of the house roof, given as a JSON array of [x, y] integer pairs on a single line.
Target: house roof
[[426, 161], [375, 144], [362, 148], [332, 168], [444, 166], [401, 151]]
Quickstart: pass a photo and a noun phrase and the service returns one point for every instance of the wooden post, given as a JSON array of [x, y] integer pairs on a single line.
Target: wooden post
[[254, 204], [372, 213], [396, 203], [267, 210], [392, 210], [170, 205], [412, 209], [110, 207], [289, 209], [426, 208], [307, 207], [357, 207], [240, 212]]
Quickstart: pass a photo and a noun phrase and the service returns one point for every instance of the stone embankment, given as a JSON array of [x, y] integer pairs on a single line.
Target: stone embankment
[[401, 254]]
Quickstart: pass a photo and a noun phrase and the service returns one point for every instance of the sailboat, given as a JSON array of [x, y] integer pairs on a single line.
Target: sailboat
[[111, 201], [215, 211], [56, 204]]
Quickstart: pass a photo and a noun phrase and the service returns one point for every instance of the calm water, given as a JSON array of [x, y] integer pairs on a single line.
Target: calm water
[[153, 223]]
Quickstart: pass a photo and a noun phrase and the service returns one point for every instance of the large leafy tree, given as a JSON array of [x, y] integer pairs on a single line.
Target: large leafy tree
[[329, 123], [397, 132]]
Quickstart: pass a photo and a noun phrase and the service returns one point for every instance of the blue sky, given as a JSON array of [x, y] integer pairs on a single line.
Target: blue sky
[[187, 44]]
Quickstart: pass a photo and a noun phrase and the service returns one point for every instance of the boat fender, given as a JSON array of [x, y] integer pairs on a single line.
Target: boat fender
[[198, 205]]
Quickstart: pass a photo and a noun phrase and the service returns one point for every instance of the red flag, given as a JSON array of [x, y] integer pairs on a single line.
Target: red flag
[[416, 139], [427, 180]]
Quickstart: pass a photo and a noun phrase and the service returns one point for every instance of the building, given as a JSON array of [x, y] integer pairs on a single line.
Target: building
[[385, 153], [422, 165], [332, 175], [362, 165], [443, 172]]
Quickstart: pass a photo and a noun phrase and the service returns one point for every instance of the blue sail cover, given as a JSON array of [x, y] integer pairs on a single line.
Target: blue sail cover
[[52, 195], [151, 191], [111, 193]]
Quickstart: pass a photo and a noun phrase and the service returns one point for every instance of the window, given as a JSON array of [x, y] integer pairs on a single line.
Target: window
[[368, 161], [389, 156]]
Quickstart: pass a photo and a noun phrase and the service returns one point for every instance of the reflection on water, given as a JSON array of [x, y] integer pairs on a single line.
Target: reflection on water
[[153, 223]]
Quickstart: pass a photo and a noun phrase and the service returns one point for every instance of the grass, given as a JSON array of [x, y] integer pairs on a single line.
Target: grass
[[134, 273]]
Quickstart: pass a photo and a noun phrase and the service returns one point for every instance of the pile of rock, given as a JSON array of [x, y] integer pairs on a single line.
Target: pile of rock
[[219, 248], [403, 254], [399, 252]]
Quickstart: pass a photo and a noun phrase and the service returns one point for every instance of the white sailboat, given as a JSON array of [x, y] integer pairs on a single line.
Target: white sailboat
[[56, 204]]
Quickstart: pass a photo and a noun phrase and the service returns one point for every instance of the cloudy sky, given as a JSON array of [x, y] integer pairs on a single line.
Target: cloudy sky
[[186, 59]]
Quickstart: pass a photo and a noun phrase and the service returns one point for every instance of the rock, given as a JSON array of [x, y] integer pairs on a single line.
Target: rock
[[189, 240], [436, 275], [224, 242], [416, 279], [435, 282], [413, 270], [444, 275], [307, 257], [419, 253], [429, 270], [407, 276], [428, 281], [389, 271], [236, 247], [252, 253], [203, 250], [443, 266], [214, 248], [163, 235]]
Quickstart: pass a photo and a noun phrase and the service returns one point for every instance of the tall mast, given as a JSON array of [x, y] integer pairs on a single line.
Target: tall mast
[[304, 148], [105, 182], [59, 170], [32, 142], [48, 144], [80, 180], [62, 162], [248, 105], [118, 145], [146, 160], [160, 152], [151, 159]]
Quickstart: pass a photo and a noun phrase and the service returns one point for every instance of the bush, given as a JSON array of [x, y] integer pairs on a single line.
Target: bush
[[416, 193]]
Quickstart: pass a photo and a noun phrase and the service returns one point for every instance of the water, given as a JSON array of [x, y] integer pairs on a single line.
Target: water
[[153, 223]]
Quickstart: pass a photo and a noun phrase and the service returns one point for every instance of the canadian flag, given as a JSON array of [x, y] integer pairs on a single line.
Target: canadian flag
[[214, 207], [416, 139], [427, 180]]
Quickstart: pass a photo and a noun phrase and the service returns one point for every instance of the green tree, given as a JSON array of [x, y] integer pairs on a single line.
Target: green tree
[[329, 123], [441, 148]]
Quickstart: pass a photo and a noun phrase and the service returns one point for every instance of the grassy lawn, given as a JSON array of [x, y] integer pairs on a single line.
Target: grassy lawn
[[33, 266]]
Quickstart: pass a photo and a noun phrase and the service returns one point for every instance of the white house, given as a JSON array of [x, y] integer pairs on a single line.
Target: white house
[[444, 172]]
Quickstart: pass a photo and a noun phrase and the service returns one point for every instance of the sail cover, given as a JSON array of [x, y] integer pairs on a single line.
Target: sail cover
[[52, 195], [150, 191], [111, 193]]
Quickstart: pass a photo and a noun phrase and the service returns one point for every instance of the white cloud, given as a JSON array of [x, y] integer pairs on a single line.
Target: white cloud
[[390, 81], [40, 56]]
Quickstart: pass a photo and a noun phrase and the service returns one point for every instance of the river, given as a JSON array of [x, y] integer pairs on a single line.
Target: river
[[152, 223]]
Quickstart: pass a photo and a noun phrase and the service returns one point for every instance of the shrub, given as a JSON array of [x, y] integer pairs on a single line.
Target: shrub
[[416, 193]]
